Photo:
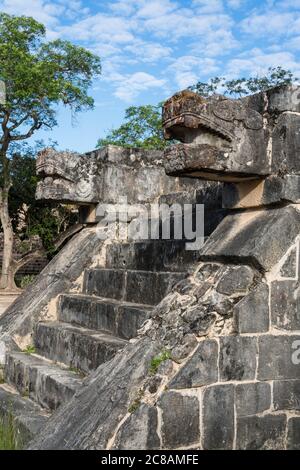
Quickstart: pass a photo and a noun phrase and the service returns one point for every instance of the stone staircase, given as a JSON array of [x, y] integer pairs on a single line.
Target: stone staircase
[[90, 328]]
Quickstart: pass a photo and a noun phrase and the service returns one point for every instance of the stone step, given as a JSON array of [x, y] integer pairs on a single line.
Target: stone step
[[77, 347], [44, 382], [119, 318], [143, 287], [27, 418], [160, 255]]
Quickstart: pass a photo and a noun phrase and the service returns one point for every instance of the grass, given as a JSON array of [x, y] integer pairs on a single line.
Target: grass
[[158, 360], [29, 349], [77, 371], [9, 439]]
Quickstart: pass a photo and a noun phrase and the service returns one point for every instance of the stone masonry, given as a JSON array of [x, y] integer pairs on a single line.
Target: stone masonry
[[178, 349]]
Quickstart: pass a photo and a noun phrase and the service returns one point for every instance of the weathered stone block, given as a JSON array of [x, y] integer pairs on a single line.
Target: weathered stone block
[[251, 314], [180, 420], [149, 287], [286, 394], [261, 432], [259, 237], [130, 319], [235, 280], [237, 358], [277, 357], [293, 439], [200, 369], [285, 304], [289, 268], [218, 417], [252, 398], [139, 432], [75, 346], [108, 283]]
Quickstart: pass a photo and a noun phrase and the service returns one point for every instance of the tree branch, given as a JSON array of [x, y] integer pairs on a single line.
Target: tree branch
[[40, 252]]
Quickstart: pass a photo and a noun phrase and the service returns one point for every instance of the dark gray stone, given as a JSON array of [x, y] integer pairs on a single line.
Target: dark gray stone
[[91, 417], [237, 358], [57, 277], [252, 398], [251, 314], [276, 357], [29, 418], [289, 269], [218, 417], [235, 280], [261, 432], [109, 283], [200, 369], [86, 311], [180, 420], [285, 304], [76, 347], [262, 239], [45, 383], [286, 394], [139, 432], [199, 320], [148, 287], [130, 319], [159, 255], [293, 439]]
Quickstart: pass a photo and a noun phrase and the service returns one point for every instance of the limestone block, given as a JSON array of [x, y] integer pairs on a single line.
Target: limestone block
[[252, 398], [294, 433], [235, 280], [237, 358], [180, 420], [261, 432], [200, 369], [251, 314], [286, 394], [285, 304], [139, 432], [277, 357], [218, 417], [257, 237]]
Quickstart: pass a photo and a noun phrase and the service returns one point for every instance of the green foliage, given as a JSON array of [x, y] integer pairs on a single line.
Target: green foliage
[[24, 281], [9, 438], [142, 129], [47, 220], [158, 360], [38, 75], [276, 76], [135, 404], [30, 349]]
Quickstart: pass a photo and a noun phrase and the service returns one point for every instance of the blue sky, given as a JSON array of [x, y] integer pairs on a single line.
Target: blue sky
[[152, 48]]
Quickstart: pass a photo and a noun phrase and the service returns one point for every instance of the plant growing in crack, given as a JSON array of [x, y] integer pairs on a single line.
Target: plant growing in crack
[[30, 349], [158, 360]]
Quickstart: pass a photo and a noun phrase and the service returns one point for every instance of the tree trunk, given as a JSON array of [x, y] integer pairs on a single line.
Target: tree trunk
[[7, 274]]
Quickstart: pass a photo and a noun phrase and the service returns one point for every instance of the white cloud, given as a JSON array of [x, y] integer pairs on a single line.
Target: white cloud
[[130, 86], [148, 52], [258, 62], [46, 13], [101, 28], [209, 6], [235, 3], [270, 23], [187, 70]]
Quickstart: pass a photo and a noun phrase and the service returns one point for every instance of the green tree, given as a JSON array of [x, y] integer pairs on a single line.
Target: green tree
[[141, 129], [38, 75], [276, 76], [29, 216]]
